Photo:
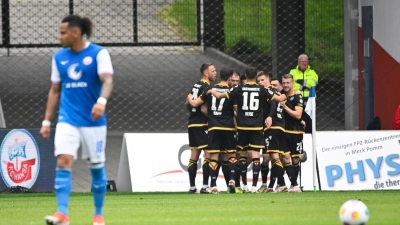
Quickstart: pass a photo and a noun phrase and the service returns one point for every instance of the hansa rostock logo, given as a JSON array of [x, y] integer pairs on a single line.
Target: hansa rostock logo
[[20, 161]]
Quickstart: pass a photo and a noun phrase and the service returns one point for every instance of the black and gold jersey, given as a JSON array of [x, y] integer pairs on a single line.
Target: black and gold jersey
[[197, 118], [275, 111], [293, 125], [251, 99], [220, 111]]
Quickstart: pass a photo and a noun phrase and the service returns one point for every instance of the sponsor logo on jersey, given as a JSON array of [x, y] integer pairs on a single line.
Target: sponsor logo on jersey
[[64, 62], [20, 161], [72, 73]]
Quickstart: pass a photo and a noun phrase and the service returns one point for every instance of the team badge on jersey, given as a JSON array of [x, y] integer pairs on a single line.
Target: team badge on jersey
[[19, 157], [87, 60], [72, 73]]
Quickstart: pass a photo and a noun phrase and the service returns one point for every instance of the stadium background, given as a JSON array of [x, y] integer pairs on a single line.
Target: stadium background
[[157, 47]]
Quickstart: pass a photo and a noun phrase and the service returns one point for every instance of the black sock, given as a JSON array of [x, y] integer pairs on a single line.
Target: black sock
[[192, 169], [237, 174], [291, 174], [213, 172], [256, 170], [272, 179], [277, 173], [296, 168], [243, 169], [226, 172], [264, 172], [232, 166], [206, 171]]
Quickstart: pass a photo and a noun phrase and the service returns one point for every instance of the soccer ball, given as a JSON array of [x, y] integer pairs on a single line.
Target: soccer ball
[[354, 212]]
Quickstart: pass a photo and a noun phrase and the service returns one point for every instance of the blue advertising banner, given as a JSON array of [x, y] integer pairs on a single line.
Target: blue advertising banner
[[27, 160]]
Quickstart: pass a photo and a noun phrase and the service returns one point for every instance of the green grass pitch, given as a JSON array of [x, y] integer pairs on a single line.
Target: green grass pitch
[[182, 208]]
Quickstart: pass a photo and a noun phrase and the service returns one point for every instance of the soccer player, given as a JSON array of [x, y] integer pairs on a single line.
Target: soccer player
[[81, 82], [264, 80], [223, 157], [250, 99], [274, 135], [234, 80], [243, 79], [221, 129], [197, 130], [293, 144]]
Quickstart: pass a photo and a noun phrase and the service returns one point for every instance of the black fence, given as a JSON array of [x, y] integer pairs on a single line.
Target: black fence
[[158, 46]]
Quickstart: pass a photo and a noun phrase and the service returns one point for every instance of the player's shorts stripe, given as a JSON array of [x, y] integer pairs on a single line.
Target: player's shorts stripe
[[256, 146], [274, 151], [213, 151], [197, 125], [294, 132], [221, 128], [198, 147], [275, 128], [250, 128], [242, 147]]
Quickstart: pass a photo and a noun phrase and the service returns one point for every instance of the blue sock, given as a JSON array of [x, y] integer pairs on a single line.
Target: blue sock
[[62, 186], [99, 188]]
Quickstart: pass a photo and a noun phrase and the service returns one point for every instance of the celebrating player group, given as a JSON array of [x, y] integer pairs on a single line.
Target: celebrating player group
[[236, 124]]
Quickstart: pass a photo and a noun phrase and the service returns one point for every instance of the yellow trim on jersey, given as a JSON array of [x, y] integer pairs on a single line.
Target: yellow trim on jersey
[[221, 128], [275, 128], [294, 132], [296, 155], [205, 81], [201, 99], [250, 128], [197, 125], [227, 95], [222, 85], [198, 147], [298, 106]]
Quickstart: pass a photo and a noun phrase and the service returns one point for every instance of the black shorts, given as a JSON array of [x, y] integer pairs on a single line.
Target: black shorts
[[221, 141], [198, 138], [250, 140], [274, 139], [293, 144]]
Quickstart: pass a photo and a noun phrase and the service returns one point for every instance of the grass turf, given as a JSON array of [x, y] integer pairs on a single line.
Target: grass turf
[[182, 208]]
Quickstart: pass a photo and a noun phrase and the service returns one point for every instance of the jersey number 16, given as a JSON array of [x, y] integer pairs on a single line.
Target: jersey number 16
[[252, 103]]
